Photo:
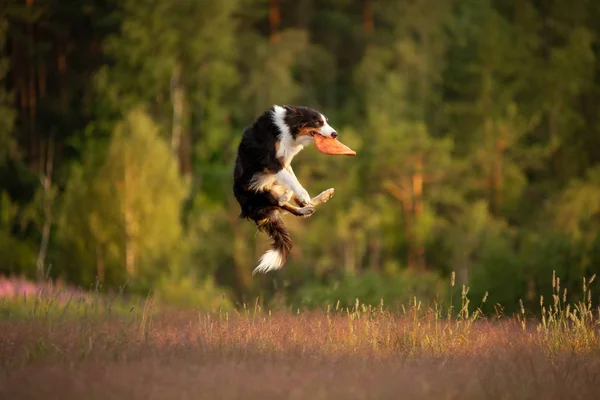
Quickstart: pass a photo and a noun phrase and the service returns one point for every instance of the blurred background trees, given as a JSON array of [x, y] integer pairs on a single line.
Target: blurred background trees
[[476, 124]]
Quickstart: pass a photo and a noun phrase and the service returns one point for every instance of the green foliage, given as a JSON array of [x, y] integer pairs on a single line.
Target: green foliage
[[189, 292], [271, 67], [16, 255], [392, 288], [163, 44], [499, 273], [577, 208]]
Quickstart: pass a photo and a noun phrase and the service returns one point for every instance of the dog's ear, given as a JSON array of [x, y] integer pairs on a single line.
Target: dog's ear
[[290, 109]]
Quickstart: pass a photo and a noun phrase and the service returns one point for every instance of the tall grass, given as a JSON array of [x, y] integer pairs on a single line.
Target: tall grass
[[566, 325], [91, 346], [418, 329]]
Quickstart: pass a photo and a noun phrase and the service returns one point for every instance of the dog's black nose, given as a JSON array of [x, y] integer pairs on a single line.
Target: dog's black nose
[[334, 134]]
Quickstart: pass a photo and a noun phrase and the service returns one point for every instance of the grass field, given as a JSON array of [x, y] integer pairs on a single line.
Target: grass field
[[87, 349]]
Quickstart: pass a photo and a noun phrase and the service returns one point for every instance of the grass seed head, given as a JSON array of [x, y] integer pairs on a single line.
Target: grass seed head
[[589, 296], [522, 307]]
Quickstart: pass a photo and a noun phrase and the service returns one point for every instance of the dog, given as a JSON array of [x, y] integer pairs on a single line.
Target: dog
[[265, 185]]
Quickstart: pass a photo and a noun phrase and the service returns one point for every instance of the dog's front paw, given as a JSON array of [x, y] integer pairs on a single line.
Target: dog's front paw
[[303, 197]]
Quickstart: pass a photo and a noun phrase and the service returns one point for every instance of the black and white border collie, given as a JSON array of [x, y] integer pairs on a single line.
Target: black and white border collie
[[265, 185]]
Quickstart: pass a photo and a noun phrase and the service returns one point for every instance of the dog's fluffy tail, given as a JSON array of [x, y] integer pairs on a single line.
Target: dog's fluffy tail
[[282, 244]]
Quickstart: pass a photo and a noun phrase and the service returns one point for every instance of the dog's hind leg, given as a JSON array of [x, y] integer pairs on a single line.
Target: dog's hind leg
[[281, 194], [305, 210], [322, 197], [285, 198], [282, 200], [319, 199]]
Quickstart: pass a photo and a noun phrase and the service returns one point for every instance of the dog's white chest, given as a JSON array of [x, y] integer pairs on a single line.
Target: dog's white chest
[[288, 148], [288, 155]]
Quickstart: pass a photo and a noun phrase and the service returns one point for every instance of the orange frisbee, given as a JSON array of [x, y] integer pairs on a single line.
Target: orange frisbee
[[332, 146]]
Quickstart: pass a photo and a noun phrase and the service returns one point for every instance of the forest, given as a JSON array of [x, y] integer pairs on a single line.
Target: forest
[[476, 123]]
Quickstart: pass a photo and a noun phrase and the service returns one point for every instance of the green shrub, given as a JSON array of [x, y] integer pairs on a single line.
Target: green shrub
[[187, 292], [371, 288]]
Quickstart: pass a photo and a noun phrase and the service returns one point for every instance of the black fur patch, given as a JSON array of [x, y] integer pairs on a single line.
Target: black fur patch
[[256, 154]]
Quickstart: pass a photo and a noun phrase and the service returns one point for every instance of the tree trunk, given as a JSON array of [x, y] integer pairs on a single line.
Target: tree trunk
[[375, 254], [31, 92], [42, 81], [130, 248], [403, 193], [100, 267], [367, 17], [243, 277], [131, 227], [18, 65], [46, 180], [177, 102], [350, 257], [417, 197], [409, 232], [490, 142], [274, 20], [180, 138], [185, 152], [497, 175], [61, 64]]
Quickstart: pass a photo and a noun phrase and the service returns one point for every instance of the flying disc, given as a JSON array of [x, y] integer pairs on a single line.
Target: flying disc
[[332, 146]]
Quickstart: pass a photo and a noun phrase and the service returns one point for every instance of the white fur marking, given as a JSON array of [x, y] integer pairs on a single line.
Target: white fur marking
[[270, 261], [288, 147], [285, 198], [326, 129], [261, 182], [289, 181]]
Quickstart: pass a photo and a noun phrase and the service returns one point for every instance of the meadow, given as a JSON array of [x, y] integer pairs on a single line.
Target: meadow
[[86, 345]]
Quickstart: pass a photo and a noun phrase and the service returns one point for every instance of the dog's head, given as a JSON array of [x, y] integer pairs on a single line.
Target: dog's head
[[303, 123]]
